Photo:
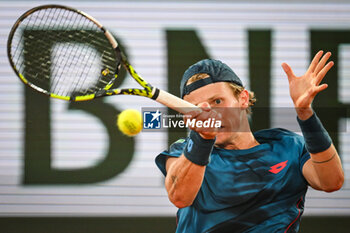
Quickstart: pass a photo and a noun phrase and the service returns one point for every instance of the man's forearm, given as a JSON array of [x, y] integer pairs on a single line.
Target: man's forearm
[[324, 170], [183, 181], [328, 169]]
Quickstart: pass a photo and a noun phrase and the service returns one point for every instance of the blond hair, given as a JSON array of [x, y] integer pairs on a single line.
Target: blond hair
[[236, 89]]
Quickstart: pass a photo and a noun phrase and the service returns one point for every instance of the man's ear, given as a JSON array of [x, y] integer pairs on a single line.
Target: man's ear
[[244, 99]]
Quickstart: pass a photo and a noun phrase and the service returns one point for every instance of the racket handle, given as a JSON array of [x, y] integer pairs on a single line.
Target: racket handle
[[175, 102]]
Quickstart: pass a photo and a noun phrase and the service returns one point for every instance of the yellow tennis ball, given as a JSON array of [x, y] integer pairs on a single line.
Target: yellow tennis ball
[[129, 122]]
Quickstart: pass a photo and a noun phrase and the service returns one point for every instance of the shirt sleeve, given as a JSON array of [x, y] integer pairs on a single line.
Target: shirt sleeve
[[305, 155], [303, 158], [175, 150]]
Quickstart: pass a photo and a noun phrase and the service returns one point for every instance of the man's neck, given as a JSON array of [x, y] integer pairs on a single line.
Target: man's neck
[[240, 141]]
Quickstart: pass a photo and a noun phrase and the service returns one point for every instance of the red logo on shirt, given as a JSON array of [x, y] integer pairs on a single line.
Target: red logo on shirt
[[278, 167]]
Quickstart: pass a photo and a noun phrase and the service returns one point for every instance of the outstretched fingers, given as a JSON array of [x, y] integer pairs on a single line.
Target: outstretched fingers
[[315, 62], [322, 63], [323, 72]]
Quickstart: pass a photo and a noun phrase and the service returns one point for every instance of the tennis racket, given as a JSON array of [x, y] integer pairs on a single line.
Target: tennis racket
[[65, 53]]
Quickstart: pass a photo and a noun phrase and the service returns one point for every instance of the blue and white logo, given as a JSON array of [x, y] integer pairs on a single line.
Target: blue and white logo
[[152, 119], [189, 145]]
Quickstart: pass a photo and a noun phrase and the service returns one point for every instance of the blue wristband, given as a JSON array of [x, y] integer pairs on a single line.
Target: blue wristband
[[316, 137], [197, 149]]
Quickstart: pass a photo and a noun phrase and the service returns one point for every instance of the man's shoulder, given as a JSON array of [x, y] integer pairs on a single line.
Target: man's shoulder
[[281, 138], [276, 134]]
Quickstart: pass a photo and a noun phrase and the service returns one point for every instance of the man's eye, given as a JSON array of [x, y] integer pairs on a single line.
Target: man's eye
[[218, 101]]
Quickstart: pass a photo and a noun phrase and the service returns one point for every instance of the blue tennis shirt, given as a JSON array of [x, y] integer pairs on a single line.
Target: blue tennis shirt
[[261, 189]]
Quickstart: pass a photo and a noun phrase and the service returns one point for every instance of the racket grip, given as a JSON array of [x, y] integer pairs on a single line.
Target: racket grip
[[175, 102]]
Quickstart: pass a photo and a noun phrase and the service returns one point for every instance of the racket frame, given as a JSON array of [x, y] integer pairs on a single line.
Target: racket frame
[[148, 90]]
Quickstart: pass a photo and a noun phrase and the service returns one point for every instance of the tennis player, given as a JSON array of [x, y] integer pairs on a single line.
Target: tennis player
[[232, 180]]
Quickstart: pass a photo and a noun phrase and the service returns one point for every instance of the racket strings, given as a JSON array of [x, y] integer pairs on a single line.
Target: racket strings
[[74, 55], [63, 52], [58, 55], [78, 55]]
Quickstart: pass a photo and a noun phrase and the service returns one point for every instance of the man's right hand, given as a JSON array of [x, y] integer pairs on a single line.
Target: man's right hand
[[206, 113]]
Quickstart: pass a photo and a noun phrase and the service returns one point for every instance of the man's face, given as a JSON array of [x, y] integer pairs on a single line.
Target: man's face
[[221, 99]]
